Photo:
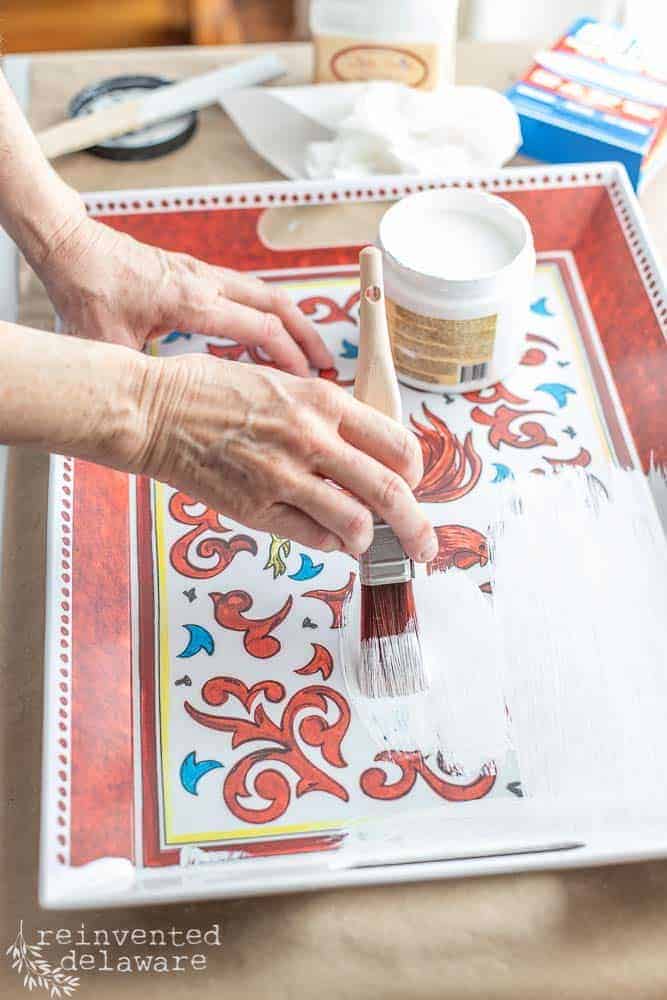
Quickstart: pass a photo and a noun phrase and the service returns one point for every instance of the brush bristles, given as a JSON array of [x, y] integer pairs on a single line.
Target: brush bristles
[[391, 663]]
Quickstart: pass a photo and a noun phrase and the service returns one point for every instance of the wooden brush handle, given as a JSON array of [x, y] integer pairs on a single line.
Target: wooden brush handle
[[88, 130], [376, 382]]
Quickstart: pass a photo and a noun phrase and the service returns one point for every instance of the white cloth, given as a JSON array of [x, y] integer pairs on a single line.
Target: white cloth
[[390, 128], [353, 129]]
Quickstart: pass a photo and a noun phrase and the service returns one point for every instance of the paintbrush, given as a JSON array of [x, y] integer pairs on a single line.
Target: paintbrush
[[158, 105], [391, 663]]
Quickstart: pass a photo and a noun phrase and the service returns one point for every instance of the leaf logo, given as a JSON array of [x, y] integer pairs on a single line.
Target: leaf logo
[[37, 973]]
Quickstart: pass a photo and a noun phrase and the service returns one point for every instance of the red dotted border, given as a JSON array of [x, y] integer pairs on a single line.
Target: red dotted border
[[635, 236], [304, 193], [266, 195], [64, 659]]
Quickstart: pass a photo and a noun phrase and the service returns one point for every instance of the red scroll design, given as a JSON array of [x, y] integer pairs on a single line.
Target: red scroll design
[[376, 784], [533, 356], [335, 599], [531, 433], [321, 662], [493, 394], [460, 547], [228, 352], [223, 550], [330, 374], [334, 313], [229, 610], [581, 459], [451, 469], [536, 339], [333, 375], [314, 729]]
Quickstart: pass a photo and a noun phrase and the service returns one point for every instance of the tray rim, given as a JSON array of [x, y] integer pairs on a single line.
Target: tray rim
[[63, 891], [611, 174]]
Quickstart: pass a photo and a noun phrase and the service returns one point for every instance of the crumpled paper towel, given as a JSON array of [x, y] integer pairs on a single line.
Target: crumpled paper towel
[[352, 129], [391, 128]]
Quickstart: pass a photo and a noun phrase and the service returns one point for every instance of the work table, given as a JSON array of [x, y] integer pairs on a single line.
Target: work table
[[580, 934]]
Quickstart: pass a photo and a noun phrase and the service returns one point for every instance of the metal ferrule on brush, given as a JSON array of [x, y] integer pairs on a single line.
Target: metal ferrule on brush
[[385, 562]]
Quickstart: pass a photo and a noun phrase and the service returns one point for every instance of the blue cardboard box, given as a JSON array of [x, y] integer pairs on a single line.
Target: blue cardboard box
[[593, 97]]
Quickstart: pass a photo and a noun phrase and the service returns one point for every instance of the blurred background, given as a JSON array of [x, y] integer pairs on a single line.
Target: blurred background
[[56, 25]]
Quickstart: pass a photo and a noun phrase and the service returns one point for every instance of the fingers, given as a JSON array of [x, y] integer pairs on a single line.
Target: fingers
[[386, 493], [224, 318], [291, 523], [344, 516], [270, 298], [390, 443]]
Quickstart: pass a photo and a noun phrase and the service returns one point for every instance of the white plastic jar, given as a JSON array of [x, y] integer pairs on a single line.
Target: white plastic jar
[[459, 268], [408, 41]]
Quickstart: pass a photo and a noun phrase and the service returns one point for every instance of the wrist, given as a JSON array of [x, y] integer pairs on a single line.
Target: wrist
[[71, 396], [169, 394], [160, 387], [105, 422], [121, 439], [45, 224]]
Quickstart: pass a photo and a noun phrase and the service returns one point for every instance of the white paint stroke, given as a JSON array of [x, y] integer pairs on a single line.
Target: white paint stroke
[[462, 715], [580, 597], [573, 642], [657, 480]]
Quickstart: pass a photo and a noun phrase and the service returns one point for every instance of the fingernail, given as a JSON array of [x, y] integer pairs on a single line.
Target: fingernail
[[429, 551], [330, 544]]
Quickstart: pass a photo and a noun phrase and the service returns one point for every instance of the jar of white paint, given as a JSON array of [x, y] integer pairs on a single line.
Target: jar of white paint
[[409, 41], [459, 268]]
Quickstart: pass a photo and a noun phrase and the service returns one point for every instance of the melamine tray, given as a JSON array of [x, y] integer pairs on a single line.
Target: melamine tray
[[196, 721]]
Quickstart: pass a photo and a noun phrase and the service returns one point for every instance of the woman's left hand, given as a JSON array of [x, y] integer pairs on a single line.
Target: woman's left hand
[[108, 286]]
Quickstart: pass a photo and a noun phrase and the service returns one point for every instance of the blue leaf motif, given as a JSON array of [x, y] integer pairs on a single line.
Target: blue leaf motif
[[540, 307], [308, 569], [175, 335], [192, 771], [198, 638], [503, 472], [350, 350], [558, 391]]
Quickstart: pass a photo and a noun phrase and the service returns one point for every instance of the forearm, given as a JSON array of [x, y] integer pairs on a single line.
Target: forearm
[[37, 208], [72, 396]]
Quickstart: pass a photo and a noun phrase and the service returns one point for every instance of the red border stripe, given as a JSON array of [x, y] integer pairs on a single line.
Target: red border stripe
[[102, 779]]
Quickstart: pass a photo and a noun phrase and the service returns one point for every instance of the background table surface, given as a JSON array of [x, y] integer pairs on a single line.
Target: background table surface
[[581, 934]]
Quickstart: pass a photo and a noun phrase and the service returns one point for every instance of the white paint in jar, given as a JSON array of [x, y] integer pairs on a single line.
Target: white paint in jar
[[459, 269]]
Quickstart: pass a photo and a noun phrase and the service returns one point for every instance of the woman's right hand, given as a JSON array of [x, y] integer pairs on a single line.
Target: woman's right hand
[[272, 451]]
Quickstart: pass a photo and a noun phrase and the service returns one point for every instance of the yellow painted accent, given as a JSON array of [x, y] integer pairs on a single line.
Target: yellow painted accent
[[246, 833], [163, 638]]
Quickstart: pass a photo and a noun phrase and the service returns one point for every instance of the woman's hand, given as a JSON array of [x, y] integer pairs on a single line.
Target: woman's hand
[[272, 451], [268, 449], [107, 286]]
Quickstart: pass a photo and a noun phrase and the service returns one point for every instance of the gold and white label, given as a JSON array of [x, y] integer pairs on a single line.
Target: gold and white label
[[440, 351], [346, 59]]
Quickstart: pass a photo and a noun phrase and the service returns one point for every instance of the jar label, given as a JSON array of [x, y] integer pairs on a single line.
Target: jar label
[[348, 59], [440, 351]]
